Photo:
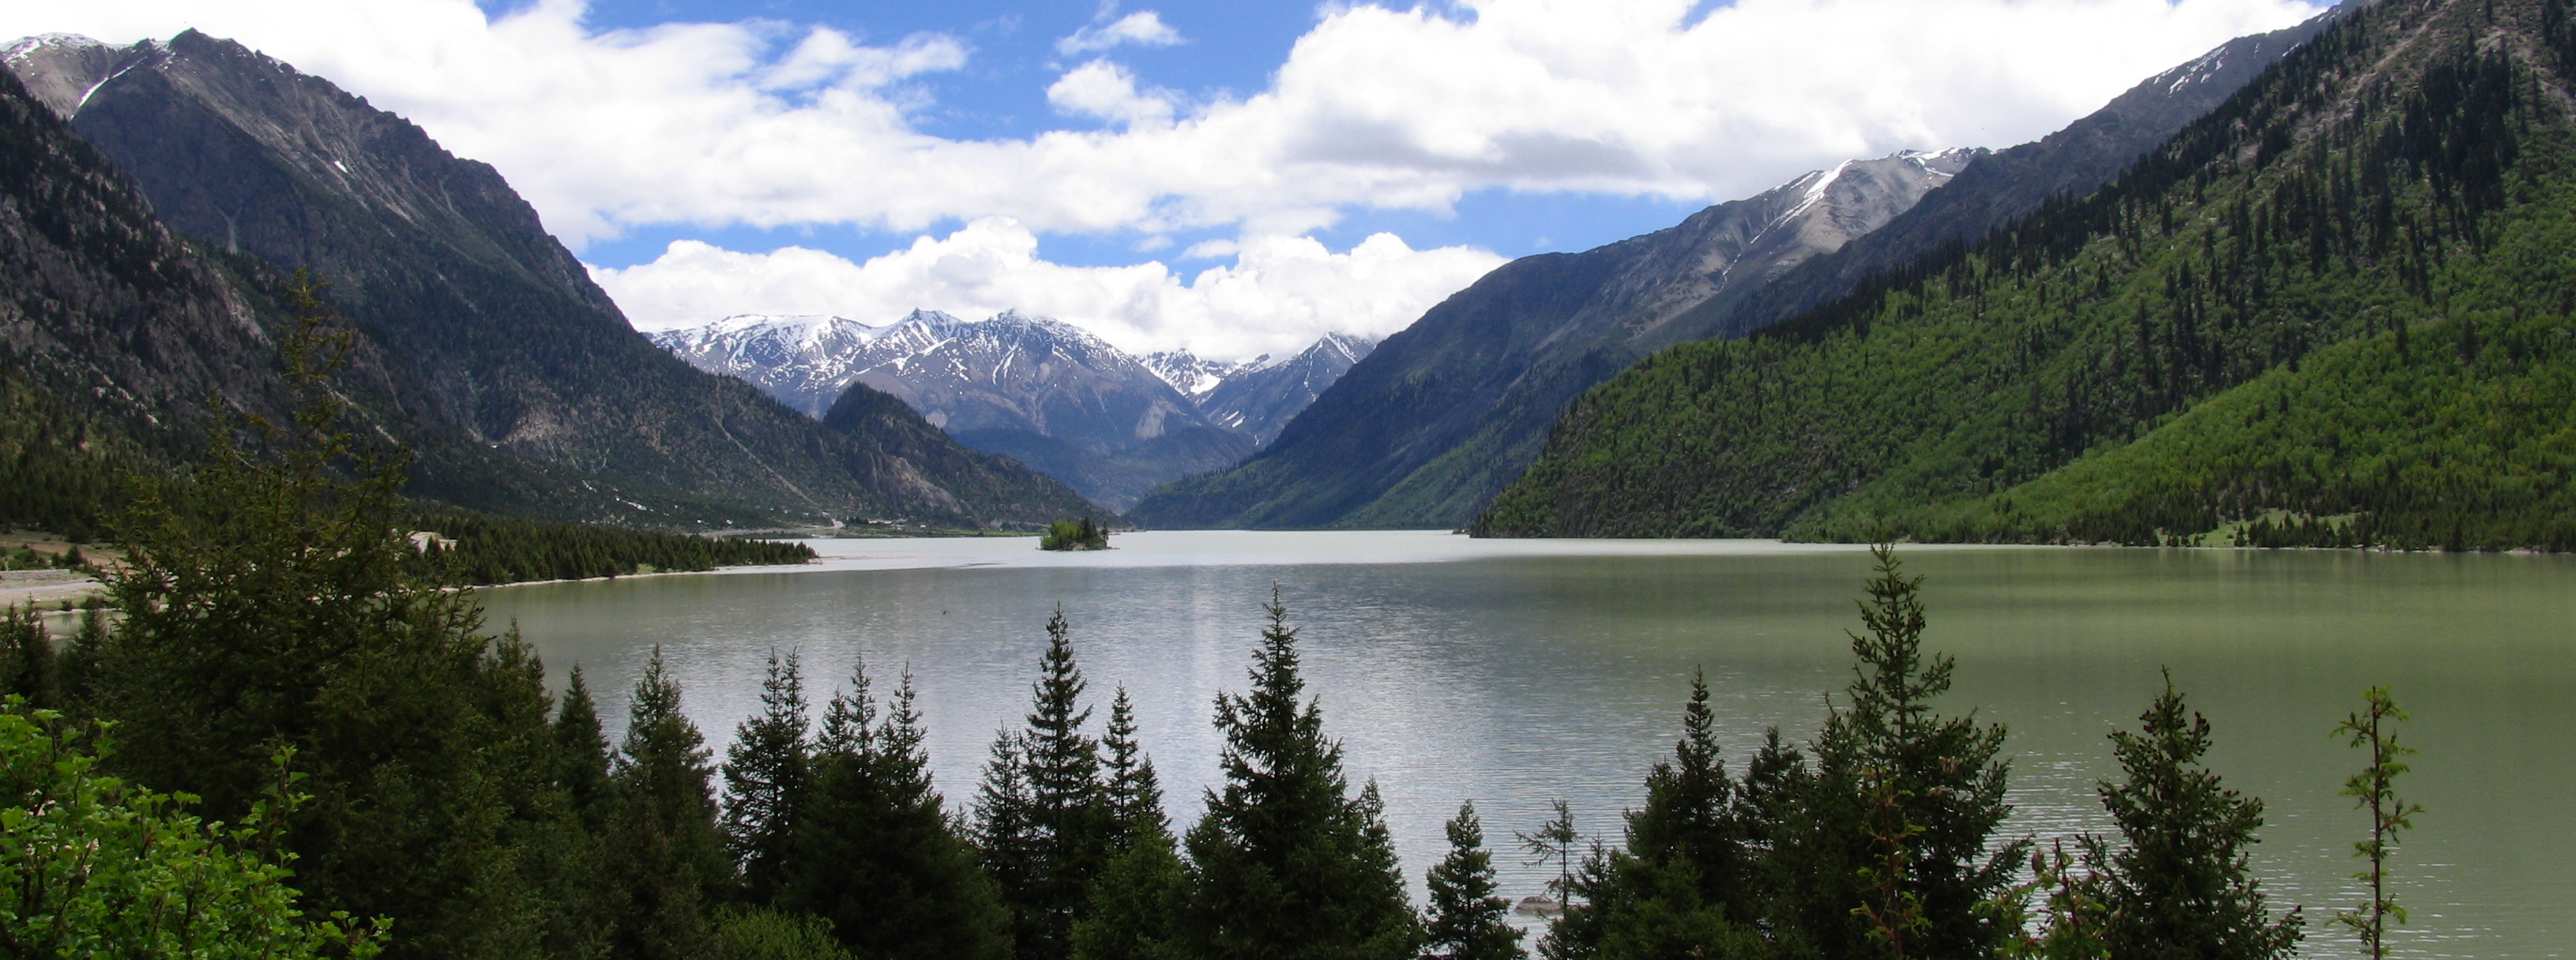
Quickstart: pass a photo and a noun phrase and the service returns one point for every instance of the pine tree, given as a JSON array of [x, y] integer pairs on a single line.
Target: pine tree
[[268, 603], [874, 853], [582, 752], [1131, 904], [1134, 794], [1890, 850], [1286, 862], [1672, 890], [1686, 816], [668, 852], [765, 779], [2181, 885], [1044, 825], [1466, 921]]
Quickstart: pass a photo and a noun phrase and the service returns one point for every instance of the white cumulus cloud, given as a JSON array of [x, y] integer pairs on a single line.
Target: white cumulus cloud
[[1144, 28], [766, 124], [1280, 293]]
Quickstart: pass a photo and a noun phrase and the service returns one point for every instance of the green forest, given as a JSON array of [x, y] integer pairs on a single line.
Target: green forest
[[2338, 311], [284, 738]]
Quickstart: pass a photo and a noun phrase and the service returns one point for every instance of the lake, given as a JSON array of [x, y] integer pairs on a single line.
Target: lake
[[1517, 672]]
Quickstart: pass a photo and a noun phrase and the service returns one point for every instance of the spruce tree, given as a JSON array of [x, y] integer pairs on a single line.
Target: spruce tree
[[765, 779], [1134, 795], [1671, 892], [581, 751], [269, 602], [1889, 848], [1044, 825], [874, 852], [2181, 884], [1466, 921], [1286, 863], [668, 853], [1131, 904]]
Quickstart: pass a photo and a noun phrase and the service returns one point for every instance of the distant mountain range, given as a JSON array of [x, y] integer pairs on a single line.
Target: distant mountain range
[[1427, 429], [201, 172], [1039, 390]]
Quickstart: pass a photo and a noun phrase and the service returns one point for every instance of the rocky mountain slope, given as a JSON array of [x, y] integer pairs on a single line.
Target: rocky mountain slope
[[2010, 184], [1425, 432], [1259, 397], [2337, 310], [1442, 414], [115, 334], [442, 265], [1045, 392]]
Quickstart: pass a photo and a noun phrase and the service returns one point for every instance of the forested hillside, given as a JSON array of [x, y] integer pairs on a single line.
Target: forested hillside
[[2336, 310]]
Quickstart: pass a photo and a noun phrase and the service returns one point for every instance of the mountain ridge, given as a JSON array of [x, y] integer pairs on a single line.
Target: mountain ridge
[[1460, 441], [436, 259], [2334, 312]]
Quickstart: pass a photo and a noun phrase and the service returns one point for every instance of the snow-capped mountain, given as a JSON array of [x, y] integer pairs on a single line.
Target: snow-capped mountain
[[1260, 397], [1192, 375], [1049, 393]]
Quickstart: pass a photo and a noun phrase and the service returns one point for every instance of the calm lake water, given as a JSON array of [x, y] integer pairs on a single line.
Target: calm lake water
[[1517, 672]]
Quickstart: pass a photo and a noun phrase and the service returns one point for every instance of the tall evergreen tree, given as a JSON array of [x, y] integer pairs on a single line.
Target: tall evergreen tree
[[1130, 908], [268, 603], [1045, 826], [874, 852], [1134, 795], [1286, 863], [1671, 892], [668, 851], [2181, 885], [582, 752], [1889, 850], [765, 779], [1466, 921]]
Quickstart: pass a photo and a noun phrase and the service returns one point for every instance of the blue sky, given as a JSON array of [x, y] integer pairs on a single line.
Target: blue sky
[[1231, 178], [1227, 48]]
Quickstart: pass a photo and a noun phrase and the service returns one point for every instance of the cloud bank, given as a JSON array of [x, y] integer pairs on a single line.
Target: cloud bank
[[767, 124], [1279, 295]]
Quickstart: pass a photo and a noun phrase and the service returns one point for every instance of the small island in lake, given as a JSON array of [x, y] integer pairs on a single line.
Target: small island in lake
[[1075, 535]]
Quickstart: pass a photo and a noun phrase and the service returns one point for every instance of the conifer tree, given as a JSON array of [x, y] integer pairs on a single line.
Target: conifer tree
[[1466, 921], [2181, 884], [874, 853], [1134, 795], [765, 779], [1672, 890], [268, 603], [582, 752], [1286, 863], [1044, 825], [1131, 904], [1889, 848], [667, 851]]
